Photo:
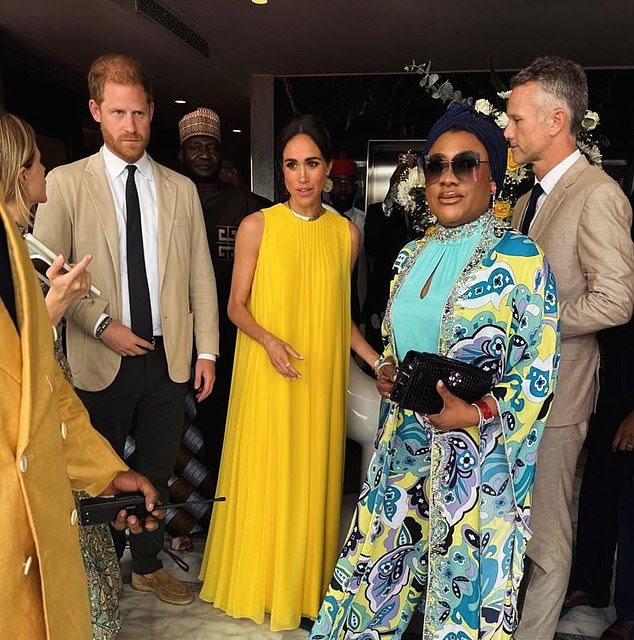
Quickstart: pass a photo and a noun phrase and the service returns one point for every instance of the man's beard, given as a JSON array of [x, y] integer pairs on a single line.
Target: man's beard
[[121, 147]]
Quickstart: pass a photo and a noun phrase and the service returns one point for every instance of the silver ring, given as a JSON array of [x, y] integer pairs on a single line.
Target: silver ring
[[629, 446]]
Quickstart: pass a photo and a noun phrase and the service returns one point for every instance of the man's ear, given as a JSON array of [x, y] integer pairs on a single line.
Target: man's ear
[[95, 110], [151, 109], [559, 120]]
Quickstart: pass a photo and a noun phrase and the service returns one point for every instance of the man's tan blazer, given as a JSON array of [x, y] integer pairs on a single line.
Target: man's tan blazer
[[80, 218], [584, 227]]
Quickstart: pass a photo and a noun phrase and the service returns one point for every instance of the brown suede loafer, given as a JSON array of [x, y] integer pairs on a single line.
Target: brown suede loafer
[[619, 630], [164, 586], [577, 598]]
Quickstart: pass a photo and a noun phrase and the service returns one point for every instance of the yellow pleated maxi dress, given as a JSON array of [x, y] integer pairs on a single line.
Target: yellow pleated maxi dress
[[273, 544]]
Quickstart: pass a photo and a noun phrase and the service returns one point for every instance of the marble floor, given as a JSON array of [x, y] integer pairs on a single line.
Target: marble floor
[[143, 616]]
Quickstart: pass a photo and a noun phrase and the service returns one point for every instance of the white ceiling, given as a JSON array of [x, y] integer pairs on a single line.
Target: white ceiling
[[314, 37]]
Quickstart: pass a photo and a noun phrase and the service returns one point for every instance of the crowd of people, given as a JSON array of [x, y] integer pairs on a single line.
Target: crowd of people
[[464, 513]]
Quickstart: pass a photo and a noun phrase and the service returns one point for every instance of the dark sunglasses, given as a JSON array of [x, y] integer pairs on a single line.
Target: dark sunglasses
[[464, 166]]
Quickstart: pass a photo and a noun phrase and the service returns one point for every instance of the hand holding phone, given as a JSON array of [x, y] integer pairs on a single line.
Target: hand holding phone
[[105, 509]]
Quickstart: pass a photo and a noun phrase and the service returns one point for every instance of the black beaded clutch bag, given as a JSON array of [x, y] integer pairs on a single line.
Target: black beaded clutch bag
[[418, 373]]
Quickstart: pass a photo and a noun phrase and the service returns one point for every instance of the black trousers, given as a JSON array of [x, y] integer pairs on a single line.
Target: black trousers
[[144, 402], [606, 511]]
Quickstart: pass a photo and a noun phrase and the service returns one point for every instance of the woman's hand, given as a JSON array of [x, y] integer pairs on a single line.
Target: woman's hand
[[280, 354], [455, 414], [385, 377], [66, 287]]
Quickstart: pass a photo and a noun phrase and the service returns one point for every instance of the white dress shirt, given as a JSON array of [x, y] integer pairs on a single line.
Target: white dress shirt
[[117, 175]]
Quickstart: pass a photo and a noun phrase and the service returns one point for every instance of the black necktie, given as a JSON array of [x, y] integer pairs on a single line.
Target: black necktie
[[536, 191], [140, 308], [7, 292]]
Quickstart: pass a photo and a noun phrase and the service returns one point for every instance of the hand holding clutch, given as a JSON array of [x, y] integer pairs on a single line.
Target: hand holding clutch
[[418, 374]]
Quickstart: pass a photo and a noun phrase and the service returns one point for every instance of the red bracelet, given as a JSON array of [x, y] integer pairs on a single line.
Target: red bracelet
[[484, 410]]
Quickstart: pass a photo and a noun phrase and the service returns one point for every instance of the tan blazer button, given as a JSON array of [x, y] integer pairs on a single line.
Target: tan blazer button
[[24, 463], [64, 430], [27, 565], [73, 517]]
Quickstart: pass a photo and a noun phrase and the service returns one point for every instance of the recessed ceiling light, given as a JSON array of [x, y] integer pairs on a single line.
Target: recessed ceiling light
[[180, 101], [260, 1], [237, 130]]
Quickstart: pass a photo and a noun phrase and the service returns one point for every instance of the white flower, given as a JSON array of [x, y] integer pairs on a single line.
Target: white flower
[[483, 106], [595, 155], [415, 177], [505, 95], [516, 176], [412, 179], [501, 119], [590, 121], [591, 151]]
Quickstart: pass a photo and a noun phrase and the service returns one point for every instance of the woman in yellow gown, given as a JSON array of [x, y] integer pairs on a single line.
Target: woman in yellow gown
[[274, 542]]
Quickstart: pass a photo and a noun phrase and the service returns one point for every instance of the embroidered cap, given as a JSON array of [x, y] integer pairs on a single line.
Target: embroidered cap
[[202, 122]]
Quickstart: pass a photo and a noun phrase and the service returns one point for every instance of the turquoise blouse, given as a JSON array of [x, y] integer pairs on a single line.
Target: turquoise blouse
[[415, 320]]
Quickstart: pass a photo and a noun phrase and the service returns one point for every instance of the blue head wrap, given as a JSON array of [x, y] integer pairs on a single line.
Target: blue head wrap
[[483, 127]]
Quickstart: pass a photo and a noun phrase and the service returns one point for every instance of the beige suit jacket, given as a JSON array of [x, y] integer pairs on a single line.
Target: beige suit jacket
[[584, 227], [80, 218], [47, 446]]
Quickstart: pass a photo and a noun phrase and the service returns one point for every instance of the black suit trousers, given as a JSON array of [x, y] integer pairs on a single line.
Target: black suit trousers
[[144, 402]]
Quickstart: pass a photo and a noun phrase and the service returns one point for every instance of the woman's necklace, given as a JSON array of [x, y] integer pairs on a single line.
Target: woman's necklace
[[302, 217]]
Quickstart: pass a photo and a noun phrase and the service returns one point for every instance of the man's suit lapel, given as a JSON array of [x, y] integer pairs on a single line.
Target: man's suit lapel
[[556, 197], [166, 205], [100, 195]]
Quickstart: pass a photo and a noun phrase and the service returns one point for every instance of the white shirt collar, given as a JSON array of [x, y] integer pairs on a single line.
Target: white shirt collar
[[549, 181], [115, 166]]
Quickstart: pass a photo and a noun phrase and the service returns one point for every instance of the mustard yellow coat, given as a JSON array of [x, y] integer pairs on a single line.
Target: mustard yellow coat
[[47, 447]]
